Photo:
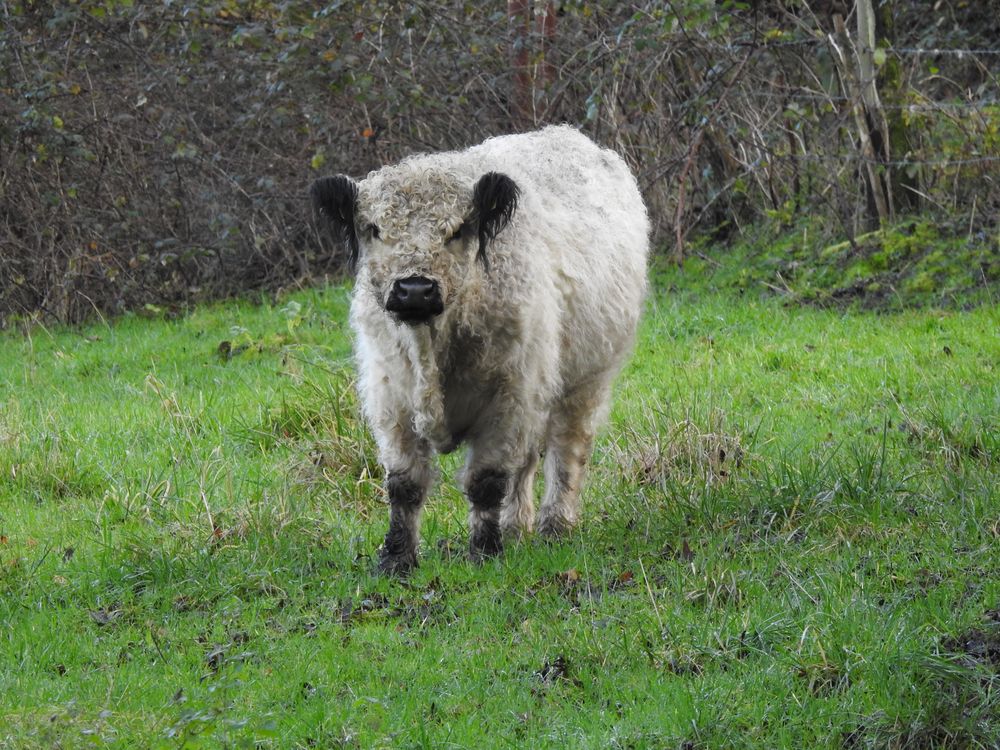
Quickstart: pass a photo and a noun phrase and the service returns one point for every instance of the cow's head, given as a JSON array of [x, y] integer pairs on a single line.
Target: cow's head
[[415, 234]]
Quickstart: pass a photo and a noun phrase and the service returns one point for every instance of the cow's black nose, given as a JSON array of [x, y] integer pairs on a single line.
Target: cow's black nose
[[415, 299]]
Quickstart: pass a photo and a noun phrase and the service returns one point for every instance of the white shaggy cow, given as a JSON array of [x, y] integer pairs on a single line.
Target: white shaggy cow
[[497, 295]]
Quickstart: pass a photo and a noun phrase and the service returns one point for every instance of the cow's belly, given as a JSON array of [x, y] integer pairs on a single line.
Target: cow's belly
[[467, 405]]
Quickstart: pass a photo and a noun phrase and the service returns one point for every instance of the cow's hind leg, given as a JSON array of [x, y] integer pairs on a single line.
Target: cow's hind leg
[[569, 443], [517, 515]]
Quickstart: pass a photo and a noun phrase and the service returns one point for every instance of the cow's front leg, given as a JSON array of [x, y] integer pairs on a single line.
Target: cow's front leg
[[408, 476], [398, 554], [486, 489], [494, 474]]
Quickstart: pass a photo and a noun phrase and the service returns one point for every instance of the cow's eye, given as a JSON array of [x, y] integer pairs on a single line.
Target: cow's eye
[[456, 235], [373, 231]]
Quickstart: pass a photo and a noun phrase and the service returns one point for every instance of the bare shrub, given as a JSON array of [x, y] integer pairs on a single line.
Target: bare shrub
[[156, 153]]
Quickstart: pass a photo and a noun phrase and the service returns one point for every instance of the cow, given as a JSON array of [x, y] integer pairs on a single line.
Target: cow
[[497, 294]]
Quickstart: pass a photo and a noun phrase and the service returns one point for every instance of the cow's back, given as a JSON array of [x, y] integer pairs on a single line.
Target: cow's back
[[582, 222]]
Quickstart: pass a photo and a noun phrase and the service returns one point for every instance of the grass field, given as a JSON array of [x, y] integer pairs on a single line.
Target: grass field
[[791, 538]]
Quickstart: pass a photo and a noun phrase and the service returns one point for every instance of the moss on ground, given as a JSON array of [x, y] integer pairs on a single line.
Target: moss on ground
[[914, 264]]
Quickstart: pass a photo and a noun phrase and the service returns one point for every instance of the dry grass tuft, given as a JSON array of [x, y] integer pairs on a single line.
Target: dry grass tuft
[[684, 450]]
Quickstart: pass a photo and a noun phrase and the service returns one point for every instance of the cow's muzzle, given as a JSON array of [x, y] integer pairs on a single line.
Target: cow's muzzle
[[415, 299]]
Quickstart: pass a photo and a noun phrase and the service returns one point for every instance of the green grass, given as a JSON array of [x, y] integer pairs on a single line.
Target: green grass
[[791, 538]]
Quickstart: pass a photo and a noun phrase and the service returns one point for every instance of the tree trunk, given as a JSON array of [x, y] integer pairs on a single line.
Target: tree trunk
[[858, 83], [519, 15], [545, 23], [903, 183], [879, 185]]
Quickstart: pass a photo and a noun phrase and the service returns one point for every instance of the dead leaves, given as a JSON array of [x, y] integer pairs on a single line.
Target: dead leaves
[[106, 615], [555, 671]]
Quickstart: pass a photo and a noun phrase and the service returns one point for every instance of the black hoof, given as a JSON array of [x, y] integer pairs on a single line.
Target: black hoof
[[486, 542], [554, 528], [398, 565]]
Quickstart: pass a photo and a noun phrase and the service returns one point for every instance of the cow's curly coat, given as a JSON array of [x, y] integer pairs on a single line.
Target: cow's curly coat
[[522, 357]]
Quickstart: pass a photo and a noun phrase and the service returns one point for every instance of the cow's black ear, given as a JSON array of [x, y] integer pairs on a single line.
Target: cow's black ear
[[494, 201], [335, 199]]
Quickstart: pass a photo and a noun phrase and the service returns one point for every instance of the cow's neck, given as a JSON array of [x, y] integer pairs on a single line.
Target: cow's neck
[[426, 358]]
